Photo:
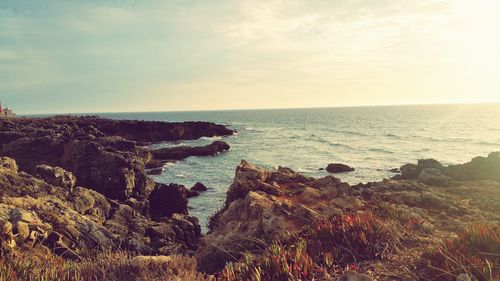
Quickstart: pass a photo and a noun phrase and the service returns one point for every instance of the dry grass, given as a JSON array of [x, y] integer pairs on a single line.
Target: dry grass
[[327, 248], [105, 266], [475, 252]]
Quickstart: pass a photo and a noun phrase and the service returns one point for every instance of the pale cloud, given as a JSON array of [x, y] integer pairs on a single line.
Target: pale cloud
[[172, 55]]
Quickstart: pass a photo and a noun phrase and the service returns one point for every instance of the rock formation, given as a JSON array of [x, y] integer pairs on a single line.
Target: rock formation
[[76, 222], [181, 152], [105, 155], [263, 205], [78, 185], [338, 168], [431, 172]]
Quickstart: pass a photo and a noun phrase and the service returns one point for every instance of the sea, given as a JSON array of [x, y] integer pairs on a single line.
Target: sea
[[373, 140]]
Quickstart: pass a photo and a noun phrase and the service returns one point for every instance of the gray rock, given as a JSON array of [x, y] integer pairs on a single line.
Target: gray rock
[[56, 176]]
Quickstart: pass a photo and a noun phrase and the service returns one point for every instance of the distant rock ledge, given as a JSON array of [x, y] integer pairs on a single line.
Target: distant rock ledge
[[105, 155]]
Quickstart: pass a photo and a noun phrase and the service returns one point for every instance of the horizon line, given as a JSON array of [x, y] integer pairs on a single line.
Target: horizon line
[[258, 109]]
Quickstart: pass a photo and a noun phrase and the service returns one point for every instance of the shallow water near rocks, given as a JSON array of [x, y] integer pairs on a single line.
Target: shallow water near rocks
[[371, 139]]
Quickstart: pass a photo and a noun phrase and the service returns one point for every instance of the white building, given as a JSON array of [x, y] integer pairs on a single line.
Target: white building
[[6, 113]]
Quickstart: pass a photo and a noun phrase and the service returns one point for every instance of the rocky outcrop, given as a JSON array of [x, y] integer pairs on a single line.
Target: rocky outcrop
[[105, 155], [181, 152], [77, 222], [8, 165], [431, 172], [200, 187], [262, 205], [479, 168], [56, 176], [338, 168], [167, 200]]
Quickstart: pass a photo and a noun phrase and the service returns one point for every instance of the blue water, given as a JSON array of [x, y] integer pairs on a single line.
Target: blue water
[[371, 139]]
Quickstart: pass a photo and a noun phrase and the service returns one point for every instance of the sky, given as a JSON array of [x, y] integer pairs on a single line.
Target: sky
[[68, 56]]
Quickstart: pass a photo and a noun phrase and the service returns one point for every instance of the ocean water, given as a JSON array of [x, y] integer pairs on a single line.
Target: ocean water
[[371, 139]]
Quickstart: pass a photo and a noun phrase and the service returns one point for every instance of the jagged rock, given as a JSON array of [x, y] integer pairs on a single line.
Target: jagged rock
[[409, 171], [116, 175], [199, 187], [8, 165], [56, 176], [479, 168], [339, 168], [166, 200], [326, 182], [81, 221], [432, 172], [263, 204], [433, 176]]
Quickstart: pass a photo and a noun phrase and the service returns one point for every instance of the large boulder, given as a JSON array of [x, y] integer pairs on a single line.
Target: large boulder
[[166, 200], [200, 187], [114, 174], [339, 168]]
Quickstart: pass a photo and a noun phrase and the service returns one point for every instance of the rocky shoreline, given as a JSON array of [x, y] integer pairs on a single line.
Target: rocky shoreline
[[74, 187], [82, 184]]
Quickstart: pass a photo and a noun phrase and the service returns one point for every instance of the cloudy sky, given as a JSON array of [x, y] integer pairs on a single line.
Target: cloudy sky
[[152, 55]]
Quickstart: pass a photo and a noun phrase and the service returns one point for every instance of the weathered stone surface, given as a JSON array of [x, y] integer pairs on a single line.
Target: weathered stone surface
[[262, 204], [8, 165], [79, 222], [56, 176]]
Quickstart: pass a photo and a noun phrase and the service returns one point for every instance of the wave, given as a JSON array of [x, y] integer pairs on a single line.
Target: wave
[[169, 164], [381, 150], [211, 138], [393, 136], [328, 142], [351, 133], [252, 129]]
